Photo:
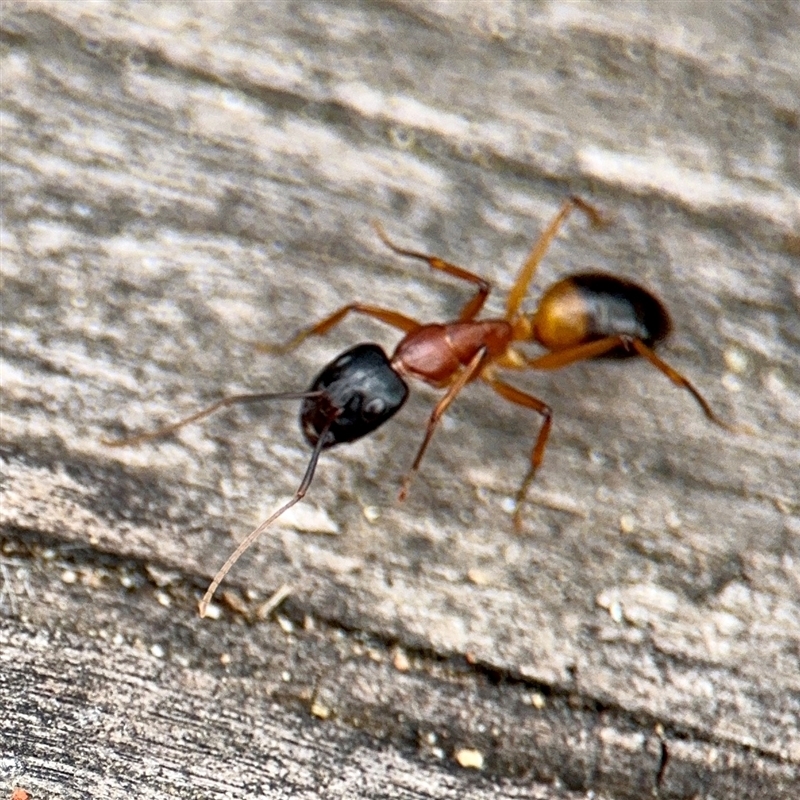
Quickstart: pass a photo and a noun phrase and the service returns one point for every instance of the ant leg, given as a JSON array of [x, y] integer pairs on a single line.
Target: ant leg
[[537, 454], [579, 352], [679, 380], [393, 318], [526, 272], [472, 306], [226, 402], [462, 379], [600, 347]]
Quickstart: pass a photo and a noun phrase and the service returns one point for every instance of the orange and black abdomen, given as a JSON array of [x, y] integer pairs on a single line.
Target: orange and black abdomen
[[591, 306]]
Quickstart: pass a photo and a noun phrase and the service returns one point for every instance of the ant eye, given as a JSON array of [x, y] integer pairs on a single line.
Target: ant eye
[[375, 407]]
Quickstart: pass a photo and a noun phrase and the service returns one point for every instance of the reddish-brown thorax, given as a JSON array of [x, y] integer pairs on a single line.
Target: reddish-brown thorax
[[435, 353]]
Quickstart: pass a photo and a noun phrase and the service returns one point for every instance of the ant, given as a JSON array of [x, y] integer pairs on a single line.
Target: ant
[[583, 316]]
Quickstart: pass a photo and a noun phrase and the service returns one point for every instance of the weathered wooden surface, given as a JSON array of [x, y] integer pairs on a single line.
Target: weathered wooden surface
[[180, 180]]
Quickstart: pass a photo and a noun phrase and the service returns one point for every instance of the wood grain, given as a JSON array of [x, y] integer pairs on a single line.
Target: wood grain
[[180, 181]]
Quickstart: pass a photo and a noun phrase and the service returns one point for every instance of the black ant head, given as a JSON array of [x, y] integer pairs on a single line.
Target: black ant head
[[359, 391], [355, 394]]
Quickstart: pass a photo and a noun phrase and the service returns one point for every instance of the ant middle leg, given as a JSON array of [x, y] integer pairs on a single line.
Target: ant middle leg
[[473, 306], [600, 347], [542, 244], [386, 315], [521, 398]]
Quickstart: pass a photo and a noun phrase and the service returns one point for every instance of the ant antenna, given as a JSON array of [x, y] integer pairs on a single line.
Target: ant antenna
[[226, 402], [253, 535], [352, 396]]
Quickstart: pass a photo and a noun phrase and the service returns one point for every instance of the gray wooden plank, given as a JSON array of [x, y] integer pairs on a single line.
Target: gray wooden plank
[[181, 180], [129, 725]]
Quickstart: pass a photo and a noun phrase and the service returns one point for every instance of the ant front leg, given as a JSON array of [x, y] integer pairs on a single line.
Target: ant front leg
[[472, 306], [537, 454], [393, 318], [462, 379]]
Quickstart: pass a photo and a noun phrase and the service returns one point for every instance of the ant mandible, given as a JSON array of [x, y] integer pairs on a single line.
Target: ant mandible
[[583, 316]]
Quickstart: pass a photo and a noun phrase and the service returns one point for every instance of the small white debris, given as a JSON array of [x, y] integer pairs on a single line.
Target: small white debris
[[508, 505], [161, 577], [234, 601], [213, 611], [596, 457], [736, 360], [163, 599], [627, 523], [308, 519], [400, 660], [774, 382], [287, 626], [275, 599], [469, 758], [478, 577], [672, 520], [536, 699], [371, 513]]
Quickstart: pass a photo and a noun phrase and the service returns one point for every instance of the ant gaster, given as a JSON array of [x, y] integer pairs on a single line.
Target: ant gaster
[[583, 316]]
